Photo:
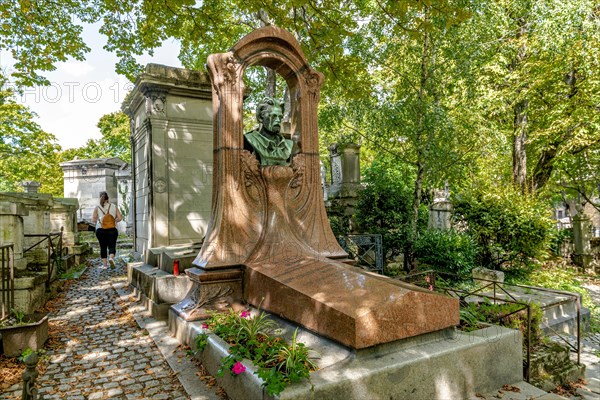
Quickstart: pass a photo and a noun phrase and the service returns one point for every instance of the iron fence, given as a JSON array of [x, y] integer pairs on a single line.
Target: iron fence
[[367, 250], [7, 280], [500, 293], [54, 250]]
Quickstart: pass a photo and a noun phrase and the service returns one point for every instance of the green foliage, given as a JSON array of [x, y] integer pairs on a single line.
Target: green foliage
[[25, 353], [74, 273], [18, 315], [113, 143], [509, 315], [446, 251], [201, 341], [510, 228], [251, 338], [384, 206], [26, 151]]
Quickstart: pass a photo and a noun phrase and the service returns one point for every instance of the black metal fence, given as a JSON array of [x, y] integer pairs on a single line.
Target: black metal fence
[[499, 293], [7, 280], [367, 250], [54, 248]]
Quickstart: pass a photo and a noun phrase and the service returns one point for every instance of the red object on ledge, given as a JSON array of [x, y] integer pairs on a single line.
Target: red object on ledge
[[175, 267]]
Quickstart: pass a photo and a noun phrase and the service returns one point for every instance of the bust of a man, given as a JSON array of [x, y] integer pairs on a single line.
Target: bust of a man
[[266, 142]]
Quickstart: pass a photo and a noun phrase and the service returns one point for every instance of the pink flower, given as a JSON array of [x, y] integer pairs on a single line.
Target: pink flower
[[245, 314], [238, 368], [431, 287], [204, 326]]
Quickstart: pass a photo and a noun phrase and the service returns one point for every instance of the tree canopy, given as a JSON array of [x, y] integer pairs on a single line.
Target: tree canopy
[[451, 89]]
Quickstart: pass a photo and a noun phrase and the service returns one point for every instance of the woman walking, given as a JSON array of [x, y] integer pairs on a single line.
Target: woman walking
[[106, 216]]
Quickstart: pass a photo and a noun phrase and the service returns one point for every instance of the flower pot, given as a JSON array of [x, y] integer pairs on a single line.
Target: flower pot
[[33, 334]]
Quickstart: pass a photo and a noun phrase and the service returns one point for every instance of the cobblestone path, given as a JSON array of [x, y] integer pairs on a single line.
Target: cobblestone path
[[101, 353]]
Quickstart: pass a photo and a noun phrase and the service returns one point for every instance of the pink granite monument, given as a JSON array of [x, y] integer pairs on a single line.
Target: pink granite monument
[[269, 242]]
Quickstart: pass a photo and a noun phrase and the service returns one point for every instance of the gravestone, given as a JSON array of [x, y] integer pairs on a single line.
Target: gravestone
[[171, 131], [581, 239], [269, 242], [440, 211]]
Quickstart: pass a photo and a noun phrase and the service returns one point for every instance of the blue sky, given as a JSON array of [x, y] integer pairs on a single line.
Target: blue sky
[[83, 91]]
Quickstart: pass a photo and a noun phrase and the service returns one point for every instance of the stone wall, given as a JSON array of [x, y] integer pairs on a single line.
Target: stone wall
[[171, 128]]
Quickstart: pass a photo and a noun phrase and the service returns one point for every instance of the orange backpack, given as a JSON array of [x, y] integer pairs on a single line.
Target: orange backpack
[[108, 221]]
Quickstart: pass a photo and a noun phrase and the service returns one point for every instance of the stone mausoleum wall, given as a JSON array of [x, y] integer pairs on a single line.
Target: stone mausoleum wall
[[171, 129]]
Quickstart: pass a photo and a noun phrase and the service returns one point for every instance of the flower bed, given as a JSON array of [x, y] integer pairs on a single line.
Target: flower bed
[[254, 338]]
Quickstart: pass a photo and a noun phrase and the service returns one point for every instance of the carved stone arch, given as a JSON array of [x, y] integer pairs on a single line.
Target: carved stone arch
[[239, 211]]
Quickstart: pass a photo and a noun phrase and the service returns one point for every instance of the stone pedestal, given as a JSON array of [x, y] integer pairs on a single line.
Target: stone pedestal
[[440, 212], [211, 291], [345, 170]]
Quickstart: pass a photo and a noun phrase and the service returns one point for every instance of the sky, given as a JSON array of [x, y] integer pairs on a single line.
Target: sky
[[83, 91]]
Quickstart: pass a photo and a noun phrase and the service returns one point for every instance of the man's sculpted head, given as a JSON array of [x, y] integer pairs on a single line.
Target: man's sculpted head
[[269, 113]]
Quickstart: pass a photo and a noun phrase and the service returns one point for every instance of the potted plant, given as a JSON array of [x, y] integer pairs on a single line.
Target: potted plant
[[20, 332]]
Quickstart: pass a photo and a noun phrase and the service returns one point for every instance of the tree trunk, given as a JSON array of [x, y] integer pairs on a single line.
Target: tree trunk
[[545, 165], [271, 83], [420, 143], [519, 153]]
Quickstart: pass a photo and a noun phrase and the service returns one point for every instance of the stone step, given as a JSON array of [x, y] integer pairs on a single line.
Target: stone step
[[518, 391]]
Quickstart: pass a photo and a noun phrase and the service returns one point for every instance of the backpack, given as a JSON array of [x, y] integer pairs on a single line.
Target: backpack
[[108, 221]]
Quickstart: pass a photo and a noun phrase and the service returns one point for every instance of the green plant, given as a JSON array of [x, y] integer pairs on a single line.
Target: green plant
[[201, 341], [511, 229], [446, 251], [250, 337], [384, 206], [295, 359], [18, 315], [24, 354]]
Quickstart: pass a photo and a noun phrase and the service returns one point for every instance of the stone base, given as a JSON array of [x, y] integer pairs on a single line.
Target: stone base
[[30, 292], [159, 288], [440, 365], [347, 304], [153, 309], [210, 291]]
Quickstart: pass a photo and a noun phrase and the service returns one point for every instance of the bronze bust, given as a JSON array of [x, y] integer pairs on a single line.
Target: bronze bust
[[266, 142]]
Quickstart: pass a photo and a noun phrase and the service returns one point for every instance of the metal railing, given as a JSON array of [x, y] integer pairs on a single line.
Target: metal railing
[[7, 280], [366, 249], [55, 251], [433, 280]]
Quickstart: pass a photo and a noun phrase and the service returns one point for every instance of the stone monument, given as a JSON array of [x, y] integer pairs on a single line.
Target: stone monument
[[269, 242], [440, 211]]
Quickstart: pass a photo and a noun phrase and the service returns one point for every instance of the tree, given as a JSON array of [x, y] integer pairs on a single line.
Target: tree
[[26, 151], [113, 143]]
